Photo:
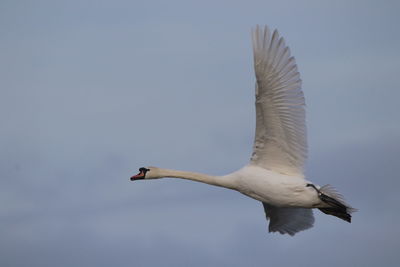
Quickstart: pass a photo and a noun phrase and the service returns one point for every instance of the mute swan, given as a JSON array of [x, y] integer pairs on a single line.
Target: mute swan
[[274, 174]]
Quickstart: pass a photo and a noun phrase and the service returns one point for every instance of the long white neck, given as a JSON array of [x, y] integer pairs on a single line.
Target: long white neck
[[222, 181]]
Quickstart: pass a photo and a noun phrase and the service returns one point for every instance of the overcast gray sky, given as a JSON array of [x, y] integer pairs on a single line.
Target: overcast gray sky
[[92, 90]]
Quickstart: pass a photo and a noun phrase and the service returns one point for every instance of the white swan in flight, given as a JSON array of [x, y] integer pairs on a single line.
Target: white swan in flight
[[274, 174]]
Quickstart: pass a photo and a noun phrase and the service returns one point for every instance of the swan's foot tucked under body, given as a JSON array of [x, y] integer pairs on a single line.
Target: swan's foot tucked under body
[[336, 206]]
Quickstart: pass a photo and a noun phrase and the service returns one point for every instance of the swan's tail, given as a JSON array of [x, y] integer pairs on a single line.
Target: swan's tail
[[337, 206]]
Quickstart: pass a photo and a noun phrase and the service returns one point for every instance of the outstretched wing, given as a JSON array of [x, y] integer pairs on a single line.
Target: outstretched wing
[[288, 220], [281, 140]]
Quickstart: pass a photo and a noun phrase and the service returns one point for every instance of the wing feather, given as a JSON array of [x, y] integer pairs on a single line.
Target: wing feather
[[288, 220], [281, 139]]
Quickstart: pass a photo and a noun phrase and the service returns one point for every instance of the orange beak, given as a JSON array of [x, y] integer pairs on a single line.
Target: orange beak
[[138, 176]]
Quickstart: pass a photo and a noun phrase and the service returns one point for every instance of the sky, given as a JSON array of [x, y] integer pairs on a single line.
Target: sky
[[92, 90]]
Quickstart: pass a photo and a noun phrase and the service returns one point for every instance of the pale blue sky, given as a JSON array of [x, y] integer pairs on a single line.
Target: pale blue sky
[[92, 90]]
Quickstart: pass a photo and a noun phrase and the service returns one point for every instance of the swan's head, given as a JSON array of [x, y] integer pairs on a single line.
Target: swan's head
[[147, 173]]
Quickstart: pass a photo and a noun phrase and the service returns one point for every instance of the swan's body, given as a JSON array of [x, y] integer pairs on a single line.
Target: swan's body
[[277, 189], [274, 175]]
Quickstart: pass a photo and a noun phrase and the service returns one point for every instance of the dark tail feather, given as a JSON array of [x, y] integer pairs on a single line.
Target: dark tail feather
[[337, 205], [342, 214]]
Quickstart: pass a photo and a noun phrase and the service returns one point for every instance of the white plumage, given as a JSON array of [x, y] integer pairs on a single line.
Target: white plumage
[[280, 143], [274, 174]]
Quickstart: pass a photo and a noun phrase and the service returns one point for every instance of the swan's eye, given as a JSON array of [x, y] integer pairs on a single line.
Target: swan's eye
[[144, 170]]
